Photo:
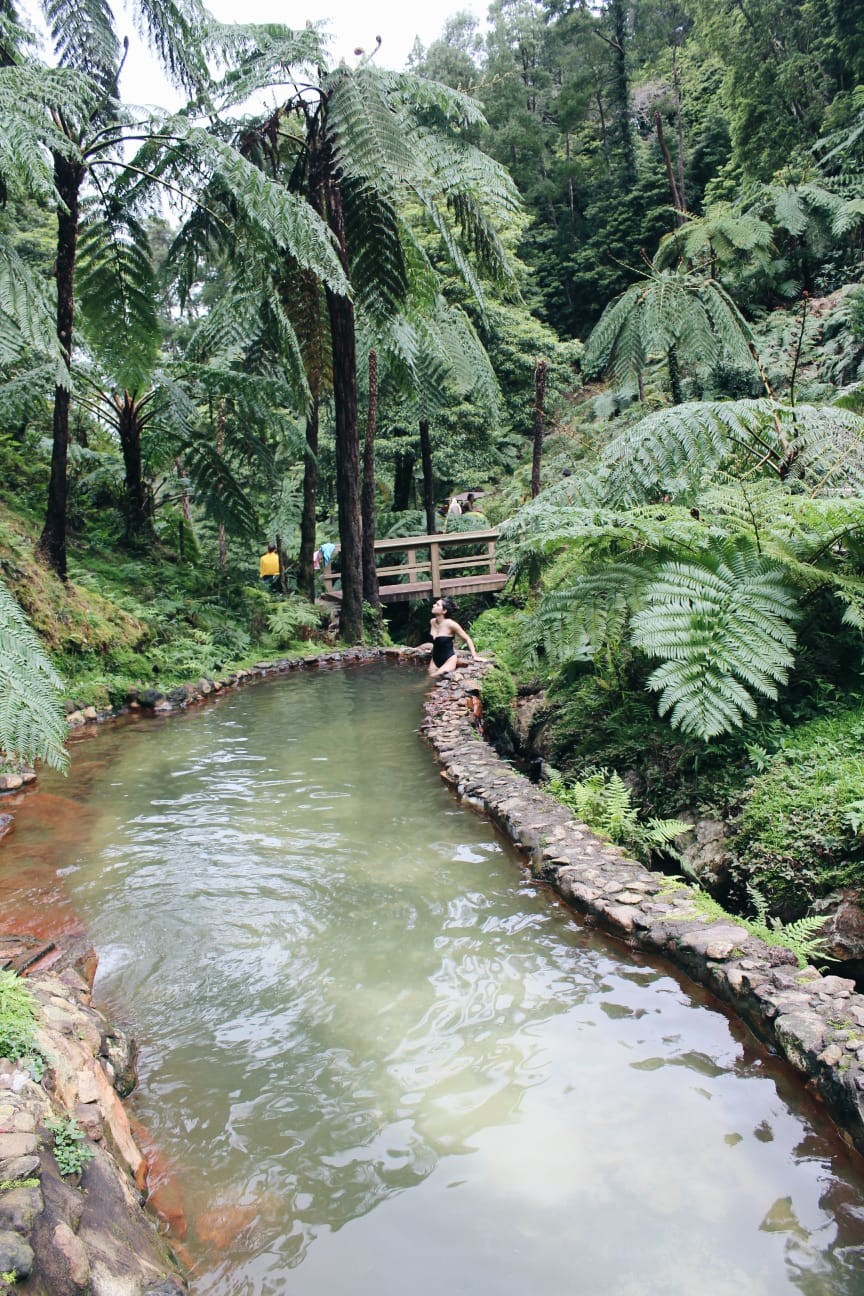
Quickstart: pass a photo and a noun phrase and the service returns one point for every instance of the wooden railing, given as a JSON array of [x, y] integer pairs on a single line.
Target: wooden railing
[[426, 571]]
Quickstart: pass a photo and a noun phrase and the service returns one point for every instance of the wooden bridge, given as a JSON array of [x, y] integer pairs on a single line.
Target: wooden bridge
[[432, 565]]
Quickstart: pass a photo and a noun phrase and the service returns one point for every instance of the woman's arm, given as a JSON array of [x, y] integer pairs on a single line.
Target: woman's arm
[[463, 634]]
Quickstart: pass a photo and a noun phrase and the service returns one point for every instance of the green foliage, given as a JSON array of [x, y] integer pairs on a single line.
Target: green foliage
[[712, 579], [603, 801], [70, 1150], [668, 310], [497, 630], [293, 620], [498, 693], [18, 1018], [32, 721], [722, 629], [800, 830], [800, 936]]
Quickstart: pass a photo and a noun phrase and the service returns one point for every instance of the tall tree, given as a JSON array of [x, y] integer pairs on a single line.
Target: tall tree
[[360, 145]]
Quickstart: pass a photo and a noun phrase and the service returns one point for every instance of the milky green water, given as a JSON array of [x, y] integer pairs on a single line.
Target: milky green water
[[389, 1063]]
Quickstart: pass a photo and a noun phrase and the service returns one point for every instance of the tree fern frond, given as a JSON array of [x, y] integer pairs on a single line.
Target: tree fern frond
[[723, 628], [32, 719], [588, 615], [369, 139], [379, 274], [84, 38], [173, 29], [32, 100], [27, 315], [420, 94], [117, 298]]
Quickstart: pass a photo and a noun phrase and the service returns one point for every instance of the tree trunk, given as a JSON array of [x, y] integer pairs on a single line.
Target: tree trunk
[[428, 488], [677, 201], [136, 506], [674, 376], [341, 311], [343, 344], [676, 82], [310, 505], [220, 446], [370, 574], [540, 373], [52, 542], [403, 479], [621, 92]]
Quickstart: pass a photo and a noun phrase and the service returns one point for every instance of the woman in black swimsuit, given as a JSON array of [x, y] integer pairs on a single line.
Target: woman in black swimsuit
[[443, 629]]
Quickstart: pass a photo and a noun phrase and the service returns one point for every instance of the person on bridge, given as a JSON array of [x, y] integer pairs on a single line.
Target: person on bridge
[[443, 630]]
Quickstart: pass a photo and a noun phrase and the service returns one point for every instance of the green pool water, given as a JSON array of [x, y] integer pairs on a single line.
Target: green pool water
[[381, 1061]]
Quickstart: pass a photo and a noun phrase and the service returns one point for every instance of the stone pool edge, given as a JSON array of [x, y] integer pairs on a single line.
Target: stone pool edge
[[815, 1022]]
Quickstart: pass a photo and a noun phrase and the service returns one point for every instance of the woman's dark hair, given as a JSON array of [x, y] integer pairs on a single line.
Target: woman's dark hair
[[449, 607]]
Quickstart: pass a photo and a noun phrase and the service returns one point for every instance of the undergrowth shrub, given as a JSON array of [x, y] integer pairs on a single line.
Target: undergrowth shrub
[[70, 1149], [497, 630], [18, 1018], [498, 693], [800, 832], [596, 725], [293, 620]]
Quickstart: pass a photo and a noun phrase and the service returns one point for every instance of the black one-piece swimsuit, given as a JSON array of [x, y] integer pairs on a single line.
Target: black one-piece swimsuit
[[442, 649]]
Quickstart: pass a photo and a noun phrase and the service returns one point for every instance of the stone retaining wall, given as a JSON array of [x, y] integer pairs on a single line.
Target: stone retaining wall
[[83, 1233], [816, 1022]]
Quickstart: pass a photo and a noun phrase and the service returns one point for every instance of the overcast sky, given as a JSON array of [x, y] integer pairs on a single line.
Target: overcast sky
[[352, 23]]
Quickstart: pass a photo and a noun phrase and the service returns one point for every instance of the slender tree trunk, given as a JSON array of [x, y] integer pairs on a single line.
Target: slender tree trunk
[[370, 573], [310, 505], [540, 373], [674, 376], [621, 91], [428, 487], [52, 542], [670, 173], [403, 479], [343, 342], [138, 517], [185, 506], [185, 509], [283, 565], [676, 81], [341, 312], [220, 446]]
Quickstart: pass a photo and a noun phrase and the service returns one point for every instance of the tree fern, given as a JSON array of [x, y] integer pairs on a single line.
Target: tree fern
[[668, 309], [32, 719], [679, 449]]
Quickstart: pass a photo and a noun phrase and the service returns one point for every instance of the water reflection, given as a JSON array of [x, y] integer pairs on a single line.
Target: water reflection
[[380, 1059]]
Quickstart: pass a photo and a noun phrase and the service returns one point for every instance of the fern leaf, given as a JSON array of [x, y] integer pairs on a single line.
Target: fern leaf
[[723, 628], [32, 720]]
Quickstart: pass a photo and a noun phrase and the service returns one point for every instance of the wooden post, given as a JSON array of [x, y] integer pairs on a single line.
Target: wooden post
[[539, 393], [435, 568]]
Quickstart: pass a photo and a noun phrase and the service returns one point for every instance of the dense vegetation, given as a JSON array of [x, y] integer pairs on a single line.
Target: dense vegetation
[[627, 235]]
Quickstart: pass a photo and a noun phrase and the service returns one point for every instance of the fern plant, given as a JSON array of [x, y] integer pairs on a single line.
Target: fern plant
[[17, 1019], [293, 619], [32, 720], [801, 936], [762, 510], [603, 801]]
